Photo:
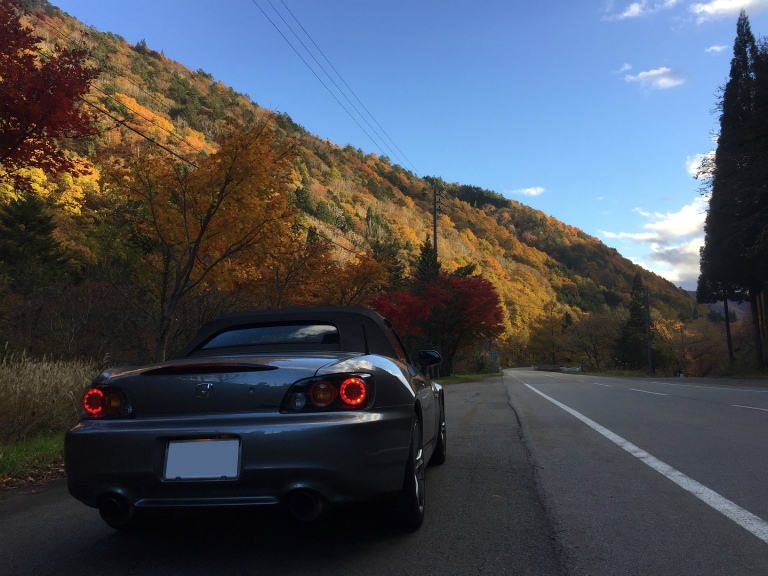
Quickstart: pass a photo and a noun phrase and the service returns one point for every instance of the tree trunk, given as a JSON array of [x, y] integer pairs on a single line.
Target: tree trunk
[[758, 341], [731, 357]]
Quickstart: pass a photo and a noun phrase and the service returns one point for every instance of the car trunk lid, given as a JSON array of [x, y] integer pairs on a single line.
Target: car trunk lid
[[214, 385]]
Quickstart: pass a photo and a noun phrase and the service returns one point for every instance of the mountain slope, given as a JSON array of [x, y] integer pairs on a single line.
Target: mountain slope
[[357, 200]]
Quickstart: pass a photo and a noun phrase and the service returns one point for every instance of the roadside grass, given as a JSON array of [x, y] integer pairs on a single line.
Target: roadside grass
[[33, 461], [40, 401]]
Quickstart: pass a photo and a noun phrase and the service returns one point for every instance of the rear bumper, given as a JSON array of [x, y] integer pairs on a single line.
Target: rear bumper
[[344, 457]]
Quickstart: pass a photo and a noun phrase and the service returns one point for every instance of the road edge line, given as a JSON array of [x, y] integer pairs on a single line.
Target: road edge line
[[750, 522]]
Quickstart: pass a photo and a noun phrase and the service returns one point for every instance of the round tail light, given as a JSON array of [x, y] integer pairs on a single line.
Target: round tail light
[[352, 391], [92, 401]]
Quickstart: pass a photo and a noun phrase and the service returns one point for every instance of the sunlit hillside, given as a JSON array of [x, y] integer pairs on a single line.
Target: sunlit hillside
[[358, 200]]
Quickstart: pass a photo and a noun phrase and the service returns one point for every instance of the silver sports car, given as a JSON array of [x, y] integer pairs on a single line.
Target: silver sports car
[[302, 407]]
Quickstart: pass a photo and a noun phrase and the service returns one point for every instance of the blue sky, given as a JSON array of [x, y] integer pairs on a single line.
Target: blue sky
[[593, 111]]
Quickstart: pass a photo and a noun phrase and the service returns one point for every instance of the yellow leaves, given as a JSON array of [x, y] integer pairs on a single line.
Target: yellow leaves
[[35, 179], [233, 201]]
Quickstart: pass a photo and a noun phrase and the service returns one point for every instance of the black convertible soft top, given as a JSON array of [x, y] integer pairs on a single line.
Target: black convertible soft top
[[360, 329]]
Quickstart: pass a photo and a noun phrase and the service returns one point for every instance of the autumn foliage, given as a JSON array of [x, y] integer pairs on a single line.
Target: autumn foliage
[[449, 311], [194, 218], [186, 200], [40, 101]]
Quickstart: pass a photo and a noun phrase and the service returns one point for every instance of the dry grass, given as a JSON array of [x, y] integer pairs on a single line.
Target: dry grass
[[40, 396]]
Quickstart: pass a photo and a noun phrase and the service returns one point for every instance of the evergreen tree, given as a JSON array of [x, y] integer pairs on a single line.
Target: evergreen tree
[[631, 348], [426, 266], [730, 268], [29, 255]]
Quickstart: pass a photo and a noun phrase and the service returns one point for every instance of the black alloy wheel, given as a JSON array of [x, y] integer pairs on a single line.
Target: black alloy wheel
[[412, 495], [438, 457]]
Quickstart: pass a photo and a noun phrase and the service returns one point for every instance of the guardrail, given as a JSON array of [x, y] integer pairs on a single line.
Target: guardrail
[[553, 368]]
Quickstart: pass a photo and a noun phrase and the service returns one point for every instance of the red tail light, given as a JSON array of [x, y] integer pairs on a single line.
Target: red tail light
[[352, 391], [105, 403], [92, 401], [332, 392]]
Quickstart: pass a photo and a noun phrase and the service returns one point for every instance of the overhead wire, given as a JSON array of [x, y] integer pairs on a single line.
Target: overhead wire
[[179, 139], [350, 89], [317, 76], [331, 78], [152, 140]]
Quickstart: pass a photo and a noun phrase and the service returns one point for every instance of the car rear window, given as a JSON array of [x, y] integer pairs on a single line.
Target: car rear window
[[275, 334]]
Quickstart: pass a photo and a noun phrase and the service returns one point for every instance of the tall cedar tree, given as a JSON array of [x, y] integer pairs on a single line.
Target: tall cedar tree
[[729, 266], [39, 100]]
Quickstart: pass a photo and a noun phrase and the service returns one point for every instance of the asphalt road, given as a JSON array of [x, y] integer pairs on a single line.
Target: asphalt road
[[607, 478], [484, 516], [547, 474]]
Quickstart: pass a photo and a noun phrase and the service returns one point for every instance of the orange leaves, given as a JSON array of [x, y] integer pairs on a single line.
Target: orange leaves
[[353, 284], [196, 219]]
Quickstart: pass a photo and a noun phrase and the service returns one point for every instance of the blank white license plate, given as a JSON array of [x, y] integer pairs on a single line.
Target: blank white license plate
[[202, 460]]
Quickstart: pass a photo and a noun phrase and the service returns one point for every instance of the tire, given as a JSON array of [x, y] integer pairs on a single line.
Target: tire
[[411, 499], [438, 457]]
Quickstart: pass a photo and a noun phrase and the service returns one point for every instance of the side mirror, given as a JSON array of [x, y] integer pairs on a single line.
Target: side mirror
[[429, 358]]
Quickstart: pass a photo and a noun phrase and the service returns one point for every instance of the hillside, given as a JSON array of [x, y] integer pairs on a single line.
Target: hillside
[[359, 201]]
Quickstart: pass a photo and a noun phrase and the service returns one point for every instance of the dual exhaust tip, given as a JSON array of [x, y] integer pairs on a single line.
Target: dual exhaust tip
[[118, 512]]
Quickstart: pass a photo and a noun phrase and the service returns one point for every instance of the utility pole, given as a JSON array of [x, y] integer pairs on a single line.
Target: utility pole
[[682, 345], [648, 330], [437, 206]]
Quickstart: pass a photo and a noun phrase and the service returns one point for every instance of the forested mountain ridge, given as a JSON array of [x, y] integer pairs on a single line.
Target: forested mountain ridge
[[361, 202]]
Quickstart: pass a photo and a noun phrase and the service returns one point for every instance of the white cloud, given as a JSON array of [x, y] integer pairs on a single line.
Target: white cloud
[[624, 68], [673, 240], [721, 8], [716, 49], [642, 8], [534, 191], [693, 164], [658, 79]]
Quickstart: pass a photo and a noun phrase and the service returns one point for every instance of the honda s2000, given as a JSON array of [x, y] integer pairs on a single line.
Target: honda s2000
[[302, 407]]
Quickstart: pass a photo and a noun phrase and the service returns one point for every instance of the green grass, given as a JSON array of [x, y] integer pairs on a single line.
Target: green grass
[[40, 401], [31, 461]]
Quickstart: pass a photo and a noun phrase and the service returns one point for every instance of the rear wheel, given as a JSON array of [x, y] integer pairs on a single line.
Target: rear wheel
[[438, 456], [412, 496]]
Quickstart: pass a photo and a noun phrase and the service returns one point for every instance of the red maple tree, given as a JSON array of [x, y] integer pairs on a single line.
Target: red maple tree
[[39, 97], [450, 311]]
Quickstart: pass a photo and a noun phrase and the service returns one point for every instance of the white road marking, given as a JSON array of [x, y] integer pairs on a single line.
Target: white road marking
[[742, 517], [711, 387], [598, 384], [646, 392], [750, 407]]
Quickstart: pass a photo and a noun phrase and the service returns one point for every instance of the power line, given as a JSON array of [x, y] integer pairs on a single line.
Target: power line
[[329, 76], [150, 120], [157, 100], [122, 122], [350, 89], [180, 139], [318, 77]]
